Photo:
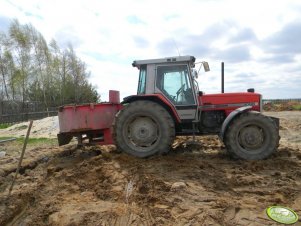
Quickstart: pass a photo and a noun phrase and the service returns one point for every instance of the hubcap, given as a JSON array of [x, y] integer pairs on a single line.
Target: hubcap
[[143, 131], [251, 137]]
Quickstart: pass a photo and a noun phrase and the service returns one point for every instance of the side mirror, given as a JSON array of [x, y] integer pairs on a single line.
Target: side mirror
[[206, 66]]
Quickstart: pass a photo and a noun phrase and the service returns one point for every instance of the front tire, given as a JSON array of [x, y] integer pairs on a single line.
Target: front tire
[[252, 136], [143, 128]]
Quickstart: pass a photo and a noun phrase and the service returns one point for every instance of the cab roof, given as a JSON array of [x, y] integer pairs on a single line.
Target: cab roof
[[176, 59]]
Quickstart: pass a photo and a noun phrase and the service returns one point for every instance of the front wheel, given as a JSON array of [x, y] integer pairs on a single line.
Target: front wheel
[[252, 136], [143, 128]]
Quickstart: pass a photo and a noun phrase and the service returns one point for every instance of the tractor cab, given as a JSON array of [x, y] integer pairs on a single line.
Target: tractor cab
[[174, 79]]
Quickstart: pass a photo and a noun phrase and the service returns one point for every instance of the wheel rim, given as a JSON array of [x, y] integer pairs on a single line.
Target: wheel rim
[[251, 138], [141, 133]]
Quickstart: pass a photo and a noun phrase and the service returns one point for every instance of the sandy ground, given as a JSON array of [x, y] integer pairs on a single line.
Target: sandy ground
[[192, 185], [46, 128]]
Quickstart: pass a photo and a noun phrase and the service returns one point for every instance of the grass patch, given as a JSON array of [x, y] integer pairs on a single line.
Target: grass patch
[[21, 127], [41, 140], [297, 107], [33, 141], [4, 125]]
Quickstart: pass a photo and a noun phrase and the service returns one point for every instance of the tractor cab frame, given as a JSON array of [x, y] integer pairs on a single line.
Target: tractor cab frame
[[173, 78]]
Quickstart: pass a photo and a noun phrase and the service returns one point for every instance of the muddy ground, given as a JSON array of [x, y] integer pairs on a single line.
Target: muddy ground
[[192, 185]]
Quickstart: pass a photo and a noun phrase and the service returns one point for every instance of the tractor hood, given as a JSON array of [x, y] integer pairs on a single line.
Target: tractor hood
[[230, 101]]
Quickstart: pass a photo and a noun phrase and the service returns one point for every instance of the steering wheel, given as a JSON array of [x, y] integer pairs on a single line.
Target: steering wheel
[[181, 89]]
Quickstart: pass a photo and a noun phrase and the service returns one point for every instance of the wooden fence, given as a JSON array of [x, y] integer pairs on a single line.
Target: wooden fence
[[279, 101], [13, 112], [22, 117]]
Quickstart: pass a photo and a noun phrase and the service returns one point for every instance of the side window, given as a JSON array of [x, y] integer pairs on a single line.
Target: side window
[[142, 80], [174, 83]]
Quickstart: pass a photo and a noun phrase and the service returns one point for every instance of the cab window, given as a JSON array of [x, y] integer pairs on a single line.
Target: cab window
[[173, 81], [142, 80]]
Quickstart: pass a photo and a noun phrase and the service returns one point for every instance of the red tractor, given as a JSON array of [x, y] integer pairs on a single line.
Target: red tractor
[[168, 104]]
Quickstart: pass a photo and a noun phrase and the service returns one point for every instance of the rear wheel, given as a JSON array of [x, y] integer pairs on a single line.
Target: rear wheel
[[252, 136], [143, 128]]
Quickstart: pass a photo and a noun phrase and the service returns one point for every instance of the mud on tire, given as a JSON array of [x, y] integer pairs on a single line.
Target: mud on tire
[[143, 128], [252, 136]]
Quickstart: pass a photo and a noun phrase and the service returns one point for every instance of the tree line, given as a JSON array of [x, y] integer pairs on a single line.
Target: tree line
[[32, 70]]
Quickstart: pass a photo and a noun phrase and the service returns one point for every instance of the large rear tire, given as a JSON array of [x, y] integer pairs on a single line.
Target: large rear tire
[[252, 136], [143, 128]]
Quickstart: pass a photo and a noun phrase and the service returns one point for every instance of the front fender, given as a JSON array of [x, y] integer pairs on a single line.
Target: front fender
[[229, 119]]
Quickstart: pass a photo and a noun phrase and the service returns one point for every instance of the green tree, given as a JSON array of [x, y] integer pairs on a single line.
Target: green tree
[[21, 48], [33, 70], [3, 67]]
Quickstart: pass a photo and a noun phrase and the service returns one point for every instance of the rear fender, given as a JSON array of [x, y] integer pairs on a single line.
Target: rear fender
[[230, 118], [157, 98]]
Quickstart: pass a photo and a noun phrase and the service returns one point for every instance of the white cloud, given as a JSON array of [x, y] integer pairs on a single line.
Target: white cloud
[[109, 35]]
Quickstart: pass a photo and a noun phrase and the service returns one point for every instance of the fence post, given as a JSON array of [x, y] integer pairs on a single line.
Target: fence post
[[1, 111]]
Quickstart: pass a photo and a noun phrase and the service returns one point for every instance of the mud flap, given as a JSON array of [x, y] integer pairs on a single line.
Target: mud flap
[[277, 124], [64, 138], [276, 121]]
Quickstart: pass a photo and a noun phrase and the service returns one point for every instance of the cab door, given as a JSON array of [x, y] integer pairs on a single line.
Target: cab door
[[174, 82]]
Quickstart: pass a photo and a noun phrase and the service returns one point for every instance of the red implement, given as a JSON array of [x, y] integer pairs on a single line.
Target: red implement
[[90, 122]]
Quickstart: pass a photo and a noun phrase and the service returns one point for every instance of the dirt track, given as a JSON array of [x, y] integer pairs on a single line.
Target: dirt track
[[192, 185]]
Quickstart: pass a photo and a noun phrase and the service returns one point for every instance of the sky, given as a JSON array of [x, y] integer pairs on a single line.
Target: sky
[[259, 41]]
